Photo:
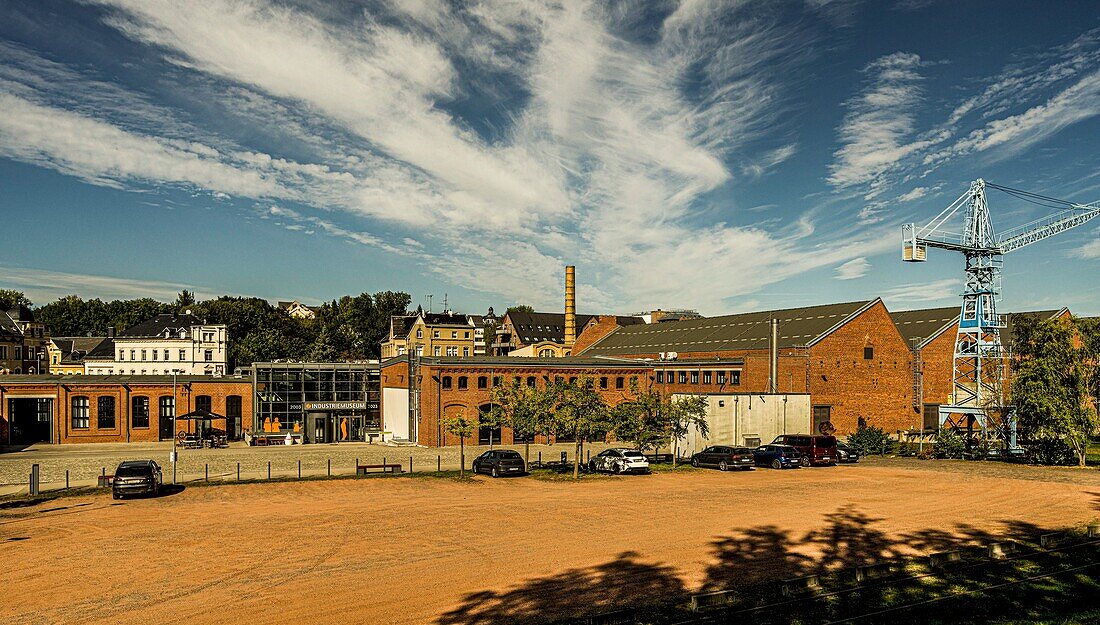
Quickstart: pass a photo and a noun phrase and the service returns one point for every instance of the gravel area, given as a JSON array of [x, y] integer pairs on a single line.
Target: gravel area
[[85, 462]]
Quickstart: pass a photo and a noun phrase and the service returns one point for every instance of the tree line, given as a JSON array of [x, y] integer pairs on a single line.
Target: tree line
[[349, 328], [578, 411]]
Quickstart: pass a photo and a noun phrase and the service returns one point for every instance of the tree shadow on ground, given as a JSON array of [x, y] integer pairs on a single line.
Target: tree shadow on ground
[[760, 565]]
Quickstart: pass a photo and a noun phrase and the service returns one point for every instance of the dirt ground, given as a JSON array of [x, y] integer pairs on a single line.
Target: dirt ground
[[433, 550]]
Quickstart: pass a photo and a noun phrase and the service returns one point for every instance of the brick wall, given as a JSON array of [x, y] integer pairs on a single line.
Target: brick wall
[[593, 331], [876, 390]]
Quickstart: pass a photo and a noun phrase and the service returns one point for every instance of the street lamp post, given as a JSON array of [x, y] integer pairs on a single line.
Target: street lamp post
[[174, 426]]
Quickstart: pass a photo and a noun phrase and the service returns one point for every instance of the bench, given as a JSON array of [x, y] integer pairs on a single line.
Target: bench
[[363, 469], [105, 481]]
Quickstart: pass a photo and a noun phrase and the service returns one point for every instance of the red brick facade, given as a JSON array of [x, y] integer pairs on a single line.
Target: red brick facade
[[86, 411]]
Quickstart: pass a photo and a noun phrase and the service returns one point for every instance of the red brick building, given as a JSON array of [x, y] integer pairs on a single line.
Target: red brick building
[[116, 409], [449, 387], [849, 357]]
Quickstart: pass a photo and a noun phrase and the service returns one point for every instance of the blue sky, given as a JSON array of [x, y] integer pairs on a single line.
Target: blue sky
[[719, 155]]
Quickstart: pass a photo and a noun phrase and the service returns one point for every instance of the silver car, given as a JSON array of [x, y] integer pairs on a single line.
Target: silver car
[[619, 460]]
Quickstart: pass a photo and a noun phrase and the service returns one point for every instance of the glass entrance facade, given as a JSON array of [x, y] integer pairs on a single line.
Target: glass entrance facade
[[318, 402]]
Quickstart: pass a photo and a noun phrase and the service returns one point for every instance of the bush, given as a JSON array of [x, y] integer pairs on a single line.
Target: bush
[[869, 439], [948, 444], [1049, 450]]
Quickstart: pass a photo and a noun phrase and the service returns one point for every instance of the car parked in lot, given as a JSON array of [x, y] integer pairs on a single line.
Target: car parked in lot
[[724, 457], [777, 457], [619, 460], [819, 450], [844, 453], [500, 462], [137, 477]]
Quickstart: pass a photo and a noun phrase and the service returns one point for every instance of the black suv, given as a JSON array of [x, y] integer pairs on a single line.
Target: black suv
[[137, 477], [499, 462]]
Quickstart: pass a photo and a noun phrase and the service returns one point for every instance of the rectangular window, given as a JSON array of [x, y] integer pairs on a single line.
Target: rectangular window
[[465, 351], [721, 377], [105, 413], [603, 382], [683, 377], [143, 355], [167, 408], [3, 352], [183, 355], [446, 382], [454, 334], [463, 382], [19, 352], [706, 377], [466, 335], [482, 382], [496, 380], [139, 412], [79, 413], [420, 333], [452, 351], [122, 354], [155, 353], [660, 377], [735, 378], [435, 334], [868, 353], [694, 377], [166, 355], [619, 381], [438, 351]]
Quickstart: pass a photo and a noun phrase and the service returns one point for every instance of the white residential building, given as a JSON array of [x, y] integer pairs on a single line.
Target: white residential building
[[164, 344]]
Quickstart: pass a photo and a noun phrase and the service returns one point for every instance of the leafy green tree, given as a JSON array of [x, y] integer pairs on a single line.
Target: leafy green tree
[[461, 427], [10, 299], [184, 299], [523, 308], [641, 420], [580, 412], [683, 414], [870, 439], [1053, 387], [528, 410], [948, 445]]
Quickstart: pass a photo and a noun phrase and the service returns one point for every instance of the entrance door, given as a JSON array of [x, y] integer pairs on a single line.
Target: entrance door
[[31, 420], [166, 414], [822, 419]]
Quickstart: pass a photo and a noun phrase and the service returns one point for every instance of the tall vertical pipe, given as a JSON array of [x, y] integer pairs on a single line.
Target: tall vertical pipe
[[773, 376], [570, 307]]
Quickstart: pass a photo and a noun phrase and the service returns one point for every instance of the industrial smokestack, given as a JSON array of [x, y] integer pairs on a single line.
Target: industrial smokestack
[[570, 307], [773, 376]]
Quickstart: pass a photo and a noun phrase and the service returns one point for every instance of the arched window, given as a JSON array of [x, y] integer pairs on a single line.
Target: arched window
[[482, 382], [463, 382]]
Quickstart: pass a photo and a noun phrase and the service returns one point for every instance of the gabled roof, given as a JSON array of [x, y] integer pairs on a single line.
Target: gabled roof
[[155, 325], [1007, 335], [446, 319], [8, 329], [285, 305], [925, 324], [401, 324], [797, 327], [75, 348], [104, 351], [535, 327], [21, 313]]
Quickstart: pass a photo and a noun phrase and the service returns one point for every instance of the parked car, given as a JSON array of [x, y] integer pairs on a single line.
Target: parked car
[[820, 450], [619, 461], [777, 457], [724, 457], [137, 477], [844, 453], [500, 462]]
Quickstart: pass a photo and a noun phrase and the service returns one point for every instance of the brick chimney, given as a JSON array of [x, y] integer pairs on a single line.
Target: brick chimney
[[570, 307]]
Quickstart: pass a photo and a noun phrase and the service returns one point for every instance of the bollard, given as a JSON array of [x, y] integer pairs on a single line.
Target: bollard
[[206, 469], [589, 458], [269, 469], [540, 459], [438, 464], [66, 479], [383, 464], [410, 464], [299, 468], [330, 467], [35, 482], [238, 471]]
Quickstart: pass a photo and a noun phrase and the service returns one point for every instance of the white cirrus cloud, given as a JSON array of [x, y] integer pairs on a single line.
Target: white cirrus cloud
[[853, 269], [944, 290]]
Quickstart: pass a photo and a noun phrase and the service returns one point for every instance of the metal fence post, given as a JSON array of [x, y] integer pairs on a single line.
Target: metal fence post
[[330, 467], [66, 479], [206, 468], [540, 459], [269, 469], [299, 468], [238, 471], [439, 464], [410, 464], [35, 487]]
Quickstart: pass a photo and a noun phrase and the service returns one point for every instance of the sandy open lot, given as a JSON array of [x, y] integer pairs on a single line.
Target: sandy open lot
[[429, 550]]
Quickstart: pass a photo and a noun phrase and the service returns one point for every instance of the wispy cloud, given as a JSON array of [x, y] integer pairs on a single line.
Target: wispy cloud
[[853, 269], [1088, 251], [42, 286], [935, 291]]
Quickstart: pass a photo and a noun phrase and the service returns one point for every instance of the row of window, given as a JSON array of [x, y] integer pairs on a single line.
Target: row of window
[[446, 382], [720, 378], [435, 334], [139, 410], [438, 351], [208, 355]]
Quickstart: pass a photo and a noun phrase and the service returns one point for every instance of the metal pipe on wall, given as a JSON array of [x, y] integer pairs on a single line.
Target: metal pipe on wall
[[773, 377]]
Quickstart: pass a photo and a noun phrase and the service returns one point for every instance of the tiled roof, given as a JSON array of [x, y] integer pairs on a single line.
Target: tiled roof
[[155, 325], [534, 327], [924, 324], [75, 348], [797, 327], [118, 379]]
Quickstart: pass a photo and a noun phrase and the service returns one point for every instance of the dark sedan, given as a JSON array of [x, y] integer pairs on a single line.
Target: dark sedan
[[500, 462], [137, 477], [724, 457], [777, 457], [844, 453]]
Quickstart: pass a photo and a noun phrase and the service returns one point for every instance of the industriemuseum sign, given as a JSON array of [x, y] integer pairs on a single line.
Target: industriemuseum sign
[[335, 405]]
